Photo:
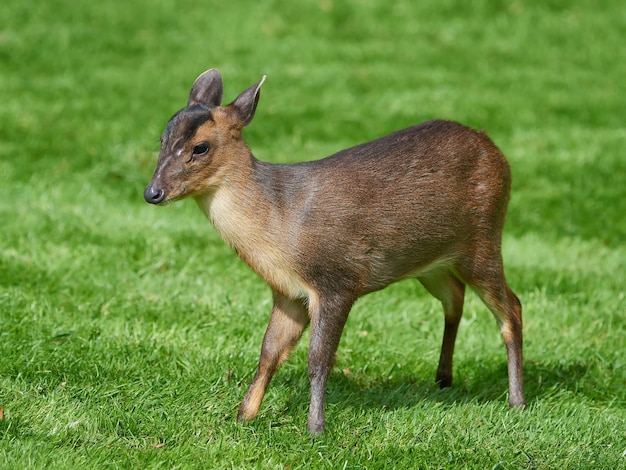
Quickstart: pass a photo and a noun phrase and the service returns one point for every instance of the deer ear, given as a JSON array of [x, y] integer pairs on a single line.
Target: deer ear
[[207, 89], [244, 105]]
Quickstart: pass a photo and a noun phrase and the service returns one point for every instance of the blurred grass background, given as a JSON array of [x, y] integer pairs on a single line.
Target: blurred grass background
[[129, 333]]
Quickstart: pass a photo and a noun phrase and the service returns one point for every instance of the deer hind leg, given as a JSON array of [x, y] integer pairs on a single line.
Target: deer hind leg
[[450, 291], [288, 321], [490, 284]]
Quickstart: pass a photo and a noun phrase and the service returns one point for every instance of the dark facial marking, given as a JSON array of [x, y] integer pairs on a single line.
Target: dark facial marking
[[185, 122]]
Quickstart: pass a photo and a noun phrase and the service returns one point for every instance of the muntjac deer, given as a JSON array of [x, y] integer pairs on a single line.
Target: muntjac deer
[[427, 202]]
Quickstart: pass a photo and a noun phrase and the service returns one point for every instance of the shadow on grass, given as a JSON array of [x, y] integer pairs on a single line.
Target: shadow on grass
[[576, 381]]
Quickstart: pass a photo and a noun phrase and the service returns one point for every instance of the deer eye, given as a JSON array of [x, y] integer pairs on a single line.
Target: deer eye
[[200, 149]]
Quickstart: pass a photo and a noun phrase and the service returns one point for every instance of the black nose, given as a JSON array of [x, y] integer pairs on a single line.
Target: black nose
[[153, 195]]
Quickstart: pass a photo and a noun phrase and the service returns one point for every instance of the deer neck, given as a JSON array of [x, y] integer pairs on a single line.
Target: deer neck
[[246, 212]]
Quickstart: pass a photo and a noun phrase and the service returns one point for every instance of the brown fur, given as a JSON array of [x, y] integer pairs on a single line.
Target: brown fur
[[427, 202]]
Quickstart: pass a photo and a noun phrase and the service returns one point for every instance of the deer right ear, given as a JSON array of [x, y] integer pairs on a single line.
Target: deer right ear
[[207, 89]]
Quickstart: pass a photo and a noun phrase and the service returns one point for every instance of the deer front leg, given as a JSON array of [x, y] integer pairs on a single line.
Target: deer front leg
[[327, 321], [288, 321]]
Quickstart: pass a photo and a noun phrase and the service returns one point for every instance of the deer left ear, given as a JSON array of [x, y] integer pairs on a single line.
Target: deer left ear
[[207, 89], [244, 105]]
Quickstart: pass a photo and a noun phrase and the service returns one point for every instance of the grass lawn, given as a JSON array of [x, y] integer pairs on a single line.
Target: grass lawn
[[129, 333]]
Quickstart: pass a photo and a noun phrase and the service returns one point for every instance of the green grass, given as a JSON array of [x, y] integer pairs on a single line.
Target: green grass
[[129, 333]]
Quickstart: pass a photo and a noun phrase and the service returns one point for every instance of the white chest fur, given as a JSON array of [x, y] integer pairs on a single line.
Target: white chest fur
[[246, 229]]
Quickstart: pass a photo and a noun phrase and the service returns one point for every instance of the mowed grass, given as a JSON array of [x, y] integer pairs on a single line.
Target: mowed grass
[[129, 333]]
